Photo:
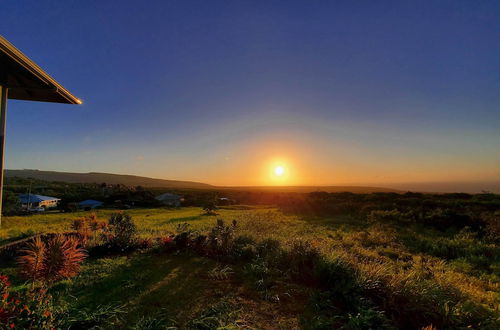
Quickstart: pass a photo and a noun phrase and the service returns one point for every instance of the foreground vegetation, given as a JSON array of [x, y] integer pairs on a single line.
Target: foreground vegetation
[[380, 268]]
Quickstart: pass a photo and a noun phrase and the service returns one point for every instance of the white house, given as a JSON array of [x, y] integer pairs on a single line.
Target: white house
[[33, 200]]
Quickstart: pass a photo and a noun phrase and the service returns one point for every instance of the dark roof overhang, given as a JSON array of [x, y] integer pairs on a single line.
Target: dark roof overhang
[[25, 80]]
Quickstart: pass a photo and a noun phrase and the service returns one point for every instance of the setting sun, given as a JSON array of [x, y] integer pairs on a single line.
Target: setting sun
[[279, 170]]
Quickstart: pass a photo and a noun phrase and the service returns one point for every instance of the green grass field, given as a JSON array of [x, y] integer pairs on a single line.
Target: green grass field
[[453, 272]]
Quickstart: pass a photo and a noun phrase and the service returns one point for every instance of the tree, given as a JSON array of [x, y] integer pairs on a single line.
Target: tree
[[210, 206], [10, 202]]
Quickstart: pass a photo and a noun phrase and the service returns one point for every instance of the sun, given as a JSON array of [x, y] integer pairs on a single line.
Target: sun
[[279, 170]]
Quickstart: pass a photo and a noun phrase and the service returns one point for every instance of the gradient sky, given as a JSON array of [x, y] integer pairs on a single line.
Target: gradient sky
[[340, 92]]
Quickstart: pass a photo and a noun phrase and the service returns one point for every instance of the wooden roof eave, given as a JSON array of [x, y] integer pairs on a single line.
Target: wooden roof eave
[[47, 89]]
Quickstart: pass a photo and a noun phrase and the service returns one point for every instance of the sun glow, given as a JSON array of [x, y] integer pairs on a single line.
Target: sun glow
[[279, 170]]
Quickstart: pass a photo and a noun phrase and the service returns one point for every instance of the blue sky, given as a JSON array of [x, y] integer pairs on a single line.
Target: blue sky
[[341, 91]]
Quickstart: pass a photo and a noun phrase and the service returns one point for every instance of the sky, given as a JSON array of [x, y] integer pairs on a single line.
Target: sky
[[337, 92]]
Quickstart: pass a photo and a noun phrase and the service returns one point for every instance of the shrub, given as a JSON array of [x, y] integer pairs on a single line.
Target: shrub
[[145, 243], [166, 243], [244, 248], [78, 224], [200, 244], [58, 258], [88, 227], [182, 240], [388, 216], [491, 231], [269, 249], [301, 261], [121, 232], [442, 219], [10, 203], [337, 276], [210, 207], [221, 239]]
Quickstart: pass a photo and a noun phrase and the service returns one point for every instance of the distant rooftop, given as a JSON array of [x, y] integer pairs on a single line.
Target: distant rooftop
[[33, 198], [90, 202], [167, 196]]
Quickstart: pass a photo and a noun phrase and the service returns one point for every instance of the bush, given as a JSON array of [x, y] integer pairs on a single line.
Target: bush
[[443, 219], [145, 243], [121, 232], [182, 240], [221, 239], [200, 244], [269, 249], [166, 243], [210, 206], [301, 262], [337, 276], [388, 216], [244, 248], [10, 203], [88, 227], [491, 231]]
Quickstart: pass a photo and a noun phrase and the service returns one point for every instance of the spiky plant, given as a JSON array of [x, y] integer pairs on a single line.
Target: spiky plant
[[31, 262], [58, 258], [63, 257]]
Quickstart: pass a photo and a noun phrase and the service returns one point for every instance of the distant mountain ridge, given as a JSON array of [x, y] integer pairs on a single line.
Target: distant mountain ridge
[[134, 180], [108, 178]]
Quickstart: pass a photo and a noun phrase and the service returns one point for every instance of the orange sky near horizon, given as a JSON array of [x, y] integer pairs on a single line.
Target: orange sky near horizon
[[309, 160]]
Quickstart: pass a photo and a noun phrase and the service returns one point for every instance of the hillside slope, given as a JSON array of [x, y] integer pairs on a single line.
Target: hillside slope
[[128, 180]]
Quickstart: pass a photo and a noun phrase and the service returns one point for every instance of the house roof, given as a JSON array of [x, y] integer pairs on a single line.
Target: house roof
[[27, 81], [90, 202], [167, 196], [33, 198]]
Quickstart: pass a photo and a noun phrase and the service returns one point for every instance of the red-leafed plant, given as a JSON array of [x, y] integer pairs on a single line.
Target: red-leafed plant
[[26, 310], [58, 258], [145, 243], [31, 262], [166, 243], [88, 227]]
